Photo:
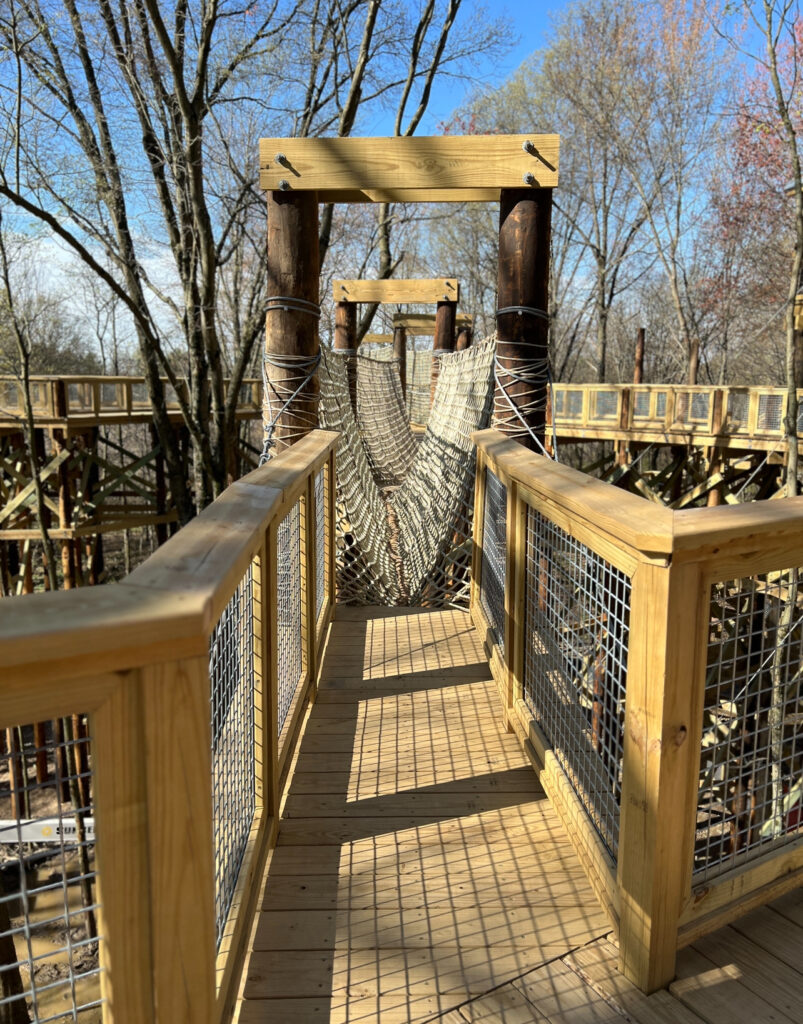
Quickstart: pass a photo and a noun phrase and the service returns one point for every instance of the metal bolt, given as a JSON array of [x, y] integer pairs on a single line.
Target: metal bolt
[[528, 147], [284, 185], [280, 158], [529, 179]]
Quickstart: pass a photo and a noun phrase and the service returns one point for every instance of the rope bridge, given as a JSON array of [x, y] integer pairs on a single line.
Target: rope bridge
[[404, 514]]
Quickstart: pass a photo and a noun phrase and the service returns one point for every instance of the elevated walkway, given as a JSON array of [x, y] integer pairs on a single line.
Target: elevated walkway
[[421, 874]]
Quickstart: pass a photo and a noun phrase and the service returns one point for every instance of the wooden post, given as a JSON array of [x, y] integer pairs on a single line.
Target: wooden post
[[65, 511], [638, 365], [524, 234], [663, 714], [445, 317], [346, 344], [464, 339], [291, 337], [400, 353], [160, 486]]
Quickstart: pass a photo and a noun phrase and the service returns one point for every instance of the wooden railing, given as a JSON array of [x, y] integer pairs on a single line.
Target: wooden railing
[[223, 625], [730, 416], [77, 398], [650, 662]]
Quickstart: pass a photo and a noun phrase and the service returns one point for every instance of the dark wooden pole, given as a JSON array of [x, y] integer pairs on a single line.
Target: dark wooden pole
[[524, 231], [400, 353], [291, 335], [346, 344], [638, 366], [445, 319], [464, 338]]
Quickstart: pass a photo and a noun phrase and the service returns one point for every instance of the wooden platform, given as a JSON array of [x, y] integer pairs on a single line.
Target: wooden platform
[[420, 873]]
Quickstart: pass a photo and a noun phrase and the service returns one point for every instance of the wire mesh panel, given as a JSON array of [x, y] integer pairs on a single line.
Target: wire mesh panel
[[751, 776], [738, 407], [288, 604], [321, 518], [577, 622], [770, 412], [231, 672], [700, 403], [49, 967], [641, 405], [494, 543], [606, 405]]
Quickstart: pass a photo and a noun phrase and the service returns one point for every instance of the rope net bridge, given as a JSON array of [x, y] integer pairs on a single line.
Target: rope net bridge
[[404, 512]]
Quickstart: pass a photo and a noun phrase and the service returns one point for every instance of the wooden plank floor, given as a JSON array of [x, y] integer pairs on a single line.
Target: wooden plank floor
[[420, 873]]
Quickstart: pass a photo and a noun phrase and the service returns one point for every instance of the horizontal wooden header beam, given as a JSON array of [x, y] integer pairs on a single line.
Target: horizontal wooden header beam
[[424, 323], [397, 291], [377, 339], [449, 168]]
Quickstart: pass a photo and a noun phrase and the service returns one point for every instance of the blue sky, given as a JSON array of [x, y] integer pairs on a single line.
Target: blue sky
[[531, 21]]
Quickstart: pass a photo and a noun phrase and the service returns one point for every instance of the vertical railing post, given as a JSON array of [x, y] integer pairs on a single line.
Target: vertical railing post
[[121, 830], [270, 670], [331, 545], [178, 771], [309, 527], [515, 597], [663, 709], [477, 530]]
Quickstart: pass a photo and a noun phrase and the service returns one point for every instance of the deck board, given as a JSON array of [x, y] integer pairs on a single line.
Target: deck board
[[421, 874]]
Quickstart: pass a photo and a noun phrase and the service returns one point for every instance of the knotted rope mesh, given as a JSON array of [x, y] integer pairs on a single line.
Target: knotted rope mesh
[[413, 545], [384, 426]]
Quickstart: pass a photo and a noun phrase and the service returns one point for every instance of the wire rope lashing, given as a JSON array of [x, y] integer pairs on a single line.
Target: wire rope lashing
[[279, 395], [534, 375]]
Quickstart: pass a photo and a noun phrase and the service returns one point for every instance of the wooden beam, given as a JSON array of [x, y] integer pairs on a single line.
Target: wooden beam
[[423, 324], [409, 195], [433, 165], [397, 291], [346, 344]]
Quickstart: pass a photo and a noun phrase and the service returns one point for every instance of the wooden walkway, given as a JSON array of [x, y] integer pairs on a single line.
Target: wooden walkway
[[420, 873]]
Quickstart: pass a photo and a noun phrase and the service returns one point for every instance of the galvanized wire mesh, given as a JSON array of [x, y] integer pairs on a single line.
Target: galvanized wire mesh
[[738, 407], [232, 677], [321, 523], [660, 404], [577, 619], [641, 404], [494, 546], [48, 881], [751, 776], [606, 405], [568, 404], [288, 605], [770, 412]]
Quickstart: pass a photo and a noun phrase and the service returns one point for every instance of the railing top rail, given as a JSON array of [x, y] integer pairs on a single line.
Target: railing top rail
[[169, 605], [626, 518], [745, 538]]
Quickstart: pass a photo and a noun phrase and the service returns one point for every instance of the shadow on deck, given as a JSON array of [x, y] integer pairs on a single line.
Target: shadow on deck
[[420, 872]]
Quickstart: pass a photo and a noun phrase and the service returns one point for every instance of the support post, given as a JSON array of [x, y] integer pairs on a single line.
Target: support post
[[638, 365], [663, 712], [523, 340], [291, 335], [346, 345], [464, 338], [445, 319], [400, 353]]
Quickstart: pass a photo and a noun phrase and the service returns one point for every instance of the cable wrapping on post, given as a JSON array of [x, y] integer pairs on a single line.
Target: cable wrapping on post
[[535, 374], [522, 311], [278, 398], [292, 305]]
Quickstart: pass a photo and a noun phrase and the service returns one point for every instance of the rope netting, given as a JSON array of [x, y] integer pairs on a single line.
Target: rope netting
[[412, 547], [382, 419]]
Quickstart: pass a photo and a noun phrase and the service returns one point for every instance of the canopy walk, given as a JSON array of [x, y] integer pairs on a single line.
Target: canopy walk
[[416, 728]]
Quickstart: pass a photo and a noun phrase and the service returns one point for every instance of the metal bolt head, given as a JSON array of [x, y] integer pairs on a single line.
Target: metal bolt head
[[280, 158], [284, 185], [529, 179], [528, 147]]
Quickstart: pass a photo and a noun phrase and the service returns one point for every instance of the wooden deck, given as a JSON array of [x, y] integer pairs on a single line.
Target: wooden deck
[[420, 873]]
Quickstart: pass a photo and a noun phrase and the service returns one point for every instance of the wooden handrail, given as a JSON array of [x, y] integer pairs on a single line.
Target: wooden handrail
[[135, 656], [673, 561]]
